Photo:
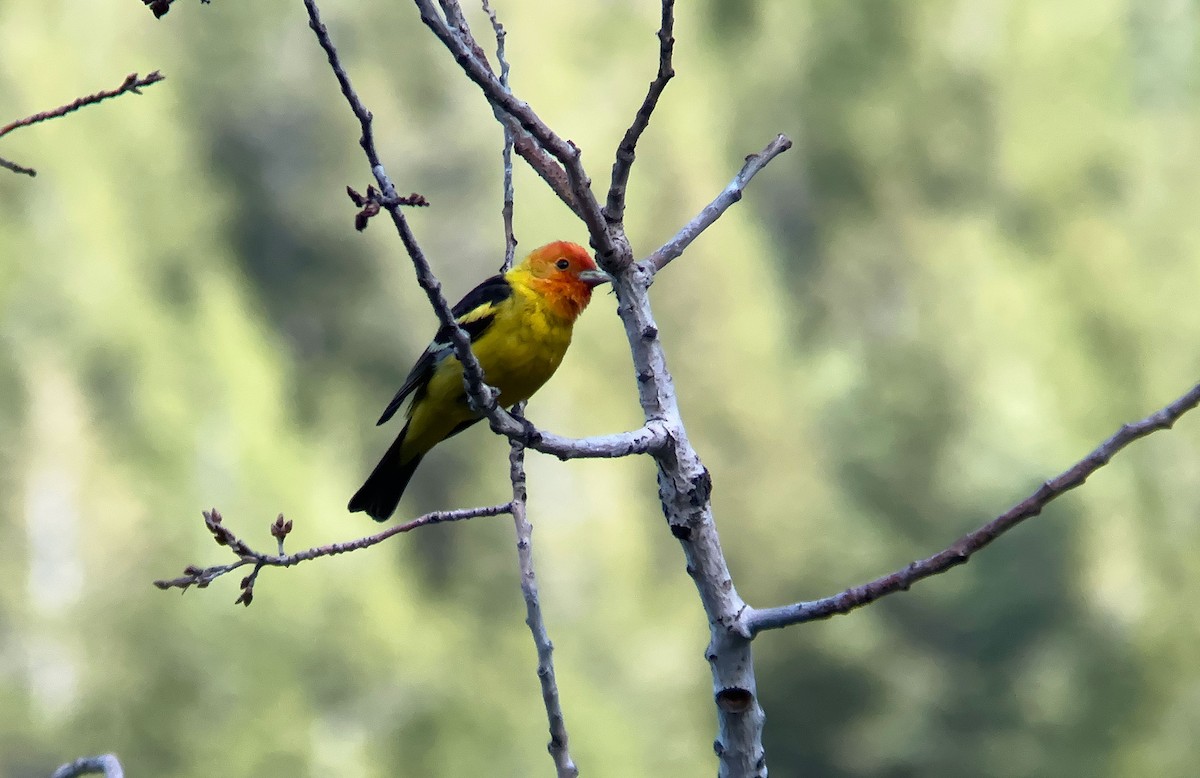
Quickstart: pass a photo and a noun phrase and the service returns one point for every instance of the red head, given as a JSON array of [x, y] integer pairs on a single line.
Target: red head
[[564, 273]]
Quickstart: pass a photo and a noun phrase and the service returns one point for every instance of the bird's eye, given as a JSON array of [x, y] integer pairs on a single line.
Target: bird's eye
[[562, 264]]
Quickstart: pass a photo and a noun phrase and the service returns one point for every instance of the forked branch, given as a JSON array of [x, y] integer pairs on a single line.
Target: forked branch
[[503, 100], [201, 577]]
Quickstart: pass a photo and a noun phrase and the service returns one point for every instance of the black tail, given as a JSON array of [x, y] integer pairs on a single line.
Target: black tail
[[380, 495]]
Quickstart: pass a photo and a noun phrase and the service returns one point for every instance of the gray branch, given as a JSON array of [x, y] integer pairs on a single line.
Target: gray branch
[[684, 488], [107, 764], [683, 481], [711, 212]]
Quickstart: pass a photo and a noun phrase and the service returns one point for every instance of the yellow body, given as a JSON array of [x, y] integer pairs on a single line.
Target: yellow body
[[520, 327], [518, 353]]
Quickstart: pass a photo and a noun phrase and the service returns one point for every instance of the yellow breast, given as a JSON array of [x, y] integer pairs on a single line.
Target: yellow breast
[[523, 347], [518, 352]]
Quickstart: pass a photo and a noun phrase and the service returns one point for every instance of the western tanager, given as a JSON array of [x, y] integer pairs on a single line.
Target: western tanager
[[520, 326]]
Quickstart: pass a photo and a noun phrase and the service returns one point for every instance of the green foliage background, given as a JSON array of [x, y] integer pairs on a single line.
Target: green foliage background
[[981, 257]]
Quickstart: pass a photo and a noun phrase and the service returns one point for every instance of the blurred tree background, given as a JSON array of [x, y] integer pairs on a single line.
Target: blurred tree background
[[981, 257]]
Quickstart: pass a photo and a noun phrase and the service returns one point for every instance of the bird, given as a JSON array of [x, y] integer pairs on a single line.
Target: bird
[[520, 324]]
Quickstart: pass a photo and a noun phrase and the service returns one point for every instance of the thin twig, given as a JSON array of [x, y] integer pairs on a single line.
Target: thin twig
[[14, 167], [202, 577], [506, 210], [558, 746], [482, 395], [132, 83], [711, 212], [559, 743], [108, 764], [961, 550], [614, 211]]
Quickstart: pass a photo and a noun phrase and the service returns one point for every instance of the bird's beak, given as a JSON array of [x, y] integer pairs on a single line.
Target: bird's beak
[[594, 278]]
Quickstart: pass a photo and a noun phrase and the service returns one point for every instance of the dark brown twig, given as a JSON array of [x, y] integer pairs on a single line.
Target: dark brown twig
[[755, 621], [373, 201], [160, 7], [14, 167], [201, 577], [614, 210], [132, 83]]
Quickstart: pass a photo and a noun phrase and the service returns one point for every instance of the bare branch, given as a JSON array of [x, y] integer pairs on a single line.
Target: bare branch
[[961, 550], [202, 577], [482, 397], [14, 167], [614, 211], [528, 148], [108, 764], [711, 212], [566, 152], [558, 745], [132, 83]]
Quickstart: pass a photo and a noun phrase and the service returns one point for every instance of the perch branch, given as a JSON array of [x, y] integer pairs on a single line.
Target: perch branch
[[483, 397], [961, 550], [684, 483]]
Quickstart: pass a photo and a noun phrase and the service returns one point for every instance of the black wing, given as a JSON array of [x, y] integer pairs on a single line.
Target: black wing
[[474, 313]]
